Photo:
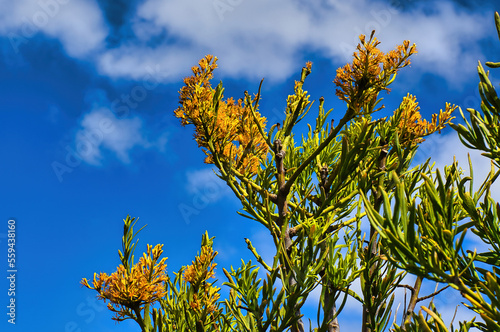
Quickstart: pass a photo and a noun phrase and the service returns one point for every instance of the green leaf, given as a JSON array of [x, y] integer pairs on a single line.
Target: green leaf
[[493, 64]]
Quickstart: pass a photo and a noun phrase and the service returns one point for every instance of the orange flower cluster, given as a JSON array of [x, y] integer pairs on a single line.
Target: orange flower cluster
[[224, 129], [412, 128], [370, 72], [208, 299], [144, 283], [300, 95], [202, 268], [197, 274]]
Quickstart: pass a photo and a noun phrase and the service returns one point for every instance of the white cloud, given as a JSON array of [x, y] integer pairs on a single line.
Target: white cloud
[[100, 130], [152, 64], [259, 38], [253, 39], [78, 24], [204, 182]]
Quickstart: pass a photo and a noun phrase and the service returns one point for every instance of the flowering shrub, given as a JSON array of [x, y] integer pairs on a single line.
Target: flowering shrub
[[315, 195]]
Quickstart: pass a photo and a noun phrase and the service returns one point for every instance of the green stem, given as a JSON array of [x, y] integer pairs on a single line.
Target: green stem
[[347, 117], [413, 300], [139, 320], [374, 245]]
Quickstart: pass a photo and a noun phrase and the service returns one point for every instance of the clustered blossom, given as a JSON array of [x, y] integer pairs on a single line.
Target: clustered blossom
[[143, 284], [197, 274], [370, 72], [226, 130], [300, 95], [412, 128]]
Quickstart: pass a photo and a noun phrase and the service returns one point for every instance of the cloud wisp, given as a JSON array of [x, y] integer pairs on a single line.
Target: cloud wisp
[[255, 39], [101, 130], [77, 24], [103, 136]]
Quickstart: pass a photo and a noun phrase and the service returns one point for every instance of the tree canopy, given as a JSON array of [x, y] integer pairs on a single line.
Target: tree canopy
[[314, 193]]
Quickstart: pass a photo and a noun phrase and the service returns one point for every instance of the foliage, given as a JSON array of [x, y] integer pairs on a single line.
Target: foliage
[[132, 288], [314, 194]]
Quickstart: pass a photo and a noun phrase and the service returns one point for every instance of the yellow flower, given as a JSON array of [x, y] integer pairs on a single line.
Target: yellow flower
[[230, 125], [143, 284], [207, 299], [202, 268], [412, 128], [197, 274], [370, 72], [300, 95]]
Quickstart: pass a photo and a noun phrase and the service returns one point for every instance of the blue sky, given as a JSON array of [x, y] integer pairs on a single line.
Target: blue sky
[[88, 90]]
